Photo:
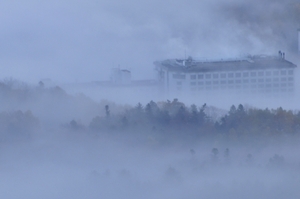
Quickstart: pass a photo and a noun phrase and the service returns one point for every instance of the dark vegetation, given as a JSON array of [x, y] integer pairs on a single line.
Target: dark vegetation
[[175, 119], [26, 108]]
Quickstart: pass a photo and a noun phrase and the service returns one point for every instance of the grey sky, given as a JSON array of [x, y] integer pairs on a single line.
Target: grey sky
[[82, 40]]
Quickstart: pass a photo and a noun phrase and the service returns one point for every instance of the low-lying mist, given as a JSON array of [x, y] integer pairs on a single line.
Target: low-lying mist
[[79, 166], [57, 145]]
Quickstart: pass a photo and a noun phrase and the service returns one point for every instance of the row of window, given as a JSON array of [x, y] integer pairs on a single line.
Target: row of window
[[259, 86], [252, 90], [254, 85], [243, 87], [235, 74], [239, 81]]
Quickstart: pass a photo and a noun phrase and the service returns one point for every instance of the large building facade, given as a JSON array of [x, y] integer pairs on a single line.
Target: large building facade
[[253, 74]]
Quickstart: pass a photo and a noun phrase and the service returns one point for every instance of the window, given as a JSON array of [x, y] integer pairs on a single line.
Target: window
[[275, 73], [238, 74], [246, 81], [268, 90], [223, 81], [268, 85], [230, 75], [268, 80], [260, 80], [193, 83], [223, 75], [208, 76], [178, 76], [283, 90], [253, 80], [238, 81], [216, 82], [283, 79], [208, 82], [193, 76], [276, 85], [276, 79], [283, 85], [253, 74], [200, 83], [290, 79], [230, 81], [291, 72], [215, 76], [260, 73], [200, 76], [245, 74], [291, 84], [268, 73], [283, 72]]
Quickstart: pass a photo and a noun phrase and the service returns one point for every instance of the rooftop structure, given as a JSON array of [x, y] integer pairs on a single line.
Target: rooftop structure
[[120, 76]]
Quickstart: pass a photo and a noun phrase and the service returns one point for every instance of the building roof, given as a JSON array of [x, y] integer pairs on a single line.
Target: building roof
[[248, 63]]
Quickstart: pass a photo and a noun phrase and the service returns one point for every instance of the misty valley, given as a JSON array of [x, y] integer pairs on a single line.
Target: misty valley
[[58, 145], [174, 99]]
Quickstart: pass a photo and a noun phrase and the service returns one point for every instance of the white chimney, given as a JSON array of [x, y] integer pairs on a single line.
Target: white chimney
[[299, 41]]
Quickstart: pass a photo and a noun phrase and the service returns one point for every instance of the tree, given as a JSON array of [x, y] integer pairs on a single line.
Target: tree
[[232, 110], [75, 126], [276, 161], [194, 114], [41, 84], [124, 121], [227, 153], [107, 111], [180, 116], [139, 107], [240, 108], [215, 152], [202, 116]]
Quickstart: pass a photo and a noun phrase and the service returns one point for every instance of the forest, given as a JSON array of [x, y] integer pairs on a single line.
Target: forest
[[27, 110]]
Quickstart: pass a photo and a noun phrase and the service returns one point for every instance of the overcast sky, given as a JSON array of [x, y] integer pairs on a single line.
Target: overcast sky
[[83, 40]]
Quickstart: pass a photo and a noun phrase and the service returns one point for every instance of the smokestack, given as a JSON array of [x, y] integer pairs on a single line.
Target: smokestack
[[280, 54], [299, 41]]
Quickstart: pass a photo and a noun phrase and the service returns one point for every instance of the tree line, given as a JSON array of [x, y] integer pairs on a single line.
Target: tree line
[[176, 118], [168, 119]]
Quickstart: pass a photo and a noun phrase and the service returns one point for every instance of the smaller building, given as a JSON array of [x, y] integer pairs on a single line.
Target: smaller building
[[120, 76]]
